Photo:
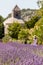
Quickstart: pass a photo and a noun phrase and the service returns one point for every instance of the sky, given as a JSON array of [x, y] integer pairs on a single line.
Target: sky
[[6, 6]]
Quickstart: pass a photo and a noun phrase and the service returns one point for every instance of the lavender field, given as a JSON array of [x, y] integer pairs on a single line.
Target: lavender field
[[20, 54]]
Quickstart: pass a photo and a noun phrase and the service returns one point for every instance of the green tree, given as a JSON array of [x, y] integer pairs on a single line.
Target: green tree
[[1, 27], [31, 23], [38, 31], [14, 30], [40, 3], [1, 19], [1, 30], [24, 35], [6, 38]]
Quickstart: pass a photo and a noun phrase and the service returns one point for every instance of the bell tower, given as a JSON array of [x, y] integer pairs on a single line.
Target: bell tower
[[16, 13]]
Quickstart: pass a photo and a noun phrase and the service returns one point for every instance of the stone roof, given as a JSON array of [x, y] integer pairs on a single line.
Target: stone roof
[[16, 8], [11, 20]]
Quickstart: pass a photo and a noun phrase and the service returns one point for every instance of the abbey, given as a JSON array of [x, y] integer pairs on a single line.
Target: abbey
[[15, 17], [16, 12]]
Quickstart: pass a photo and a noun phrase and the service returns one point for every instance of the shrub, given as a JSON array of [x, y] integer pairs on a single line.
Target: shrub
[[14, 30], [24, 35], [31, 23], [1, 30], [6, 38], [38, 31], [1, 27]]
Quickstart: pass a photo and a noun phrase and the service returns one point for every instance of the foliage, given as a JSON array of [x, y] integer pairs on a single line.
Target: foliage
[[40, 3], [24, 35], [1, 27], [31, 23], [1, 30], [9, 15], [38, 31], [6, 38], [14, 30], [1, 19], [40, 12], [39, 22]]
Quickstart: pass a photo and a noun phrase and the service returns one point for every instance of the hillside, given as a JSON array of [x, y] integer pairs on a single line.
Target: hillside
[[27, 14]]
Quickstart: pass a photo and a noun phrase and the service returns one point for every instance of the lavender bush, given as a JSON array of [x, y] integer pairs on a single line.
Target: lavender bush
[[14, 53]]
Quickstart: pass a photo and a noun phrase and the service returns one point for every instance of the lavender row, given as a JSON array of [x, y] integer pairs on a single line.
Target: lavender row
[[20, 54]]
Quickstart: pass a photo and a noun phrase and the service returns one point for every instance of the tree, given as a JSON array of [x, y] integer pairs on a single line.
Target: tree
[[1, 27], [1, 30], [40, 3], [14, 30], [24, 35], [1, 19], [38, 31], [31, 23]]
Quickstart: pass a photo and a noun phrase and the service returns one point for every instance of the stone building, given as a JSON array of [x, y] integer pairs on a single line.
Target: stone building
[[17, 12], [15, 17]]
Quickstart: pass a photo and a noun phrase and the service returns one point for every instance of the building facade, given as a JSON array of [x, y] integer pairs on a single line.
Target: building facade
[[16, 17]]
